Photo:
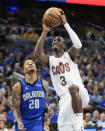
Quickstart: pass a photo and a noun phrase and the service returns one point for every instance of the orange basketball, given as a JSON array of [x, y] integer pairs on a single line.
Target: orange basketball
[[52, 17]]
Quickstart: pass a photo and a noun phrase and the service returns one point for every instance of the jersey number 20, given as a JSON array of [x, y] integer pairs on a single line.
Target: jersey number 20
[[34, 104]]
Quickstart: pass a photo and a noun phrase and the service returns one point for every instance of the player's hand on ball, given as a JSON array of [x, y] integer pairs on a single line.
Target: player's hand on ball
[[46, 28], [63, 17]]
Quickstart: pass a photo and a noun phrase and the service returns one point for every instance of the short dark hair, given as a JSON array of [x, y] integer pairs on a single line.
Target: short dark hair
[[33, 58], [29, 57]]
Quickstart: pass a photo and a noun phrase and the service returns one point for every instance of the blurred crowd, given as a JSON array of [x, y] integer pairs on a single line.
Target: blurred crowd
[[91, 63], [16, 26]]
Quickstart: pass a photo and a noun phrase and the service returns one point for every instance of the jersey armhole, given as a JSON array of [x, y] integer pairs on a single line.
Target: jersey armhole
[[48, 64]]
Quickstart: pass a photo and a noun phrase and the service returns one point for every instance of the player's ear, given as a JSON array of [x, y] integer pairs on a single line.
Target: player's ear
[[24, 71]]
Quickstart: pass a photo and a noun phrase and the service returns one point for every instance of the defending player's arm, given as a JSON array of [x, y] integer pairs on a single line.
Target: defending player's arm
[[73, 51], [40, 45], [46, 86], [16, 100]]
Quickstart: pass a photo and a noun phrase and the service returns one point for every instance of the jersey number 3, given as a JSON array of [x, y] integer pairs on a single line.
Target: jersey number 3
[[34, 104], [63, 81]]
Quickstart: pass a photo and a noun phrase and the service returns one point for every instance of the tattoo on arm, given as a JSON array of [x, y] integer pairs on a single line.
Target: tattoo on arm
[[45, 85], [16, 98]]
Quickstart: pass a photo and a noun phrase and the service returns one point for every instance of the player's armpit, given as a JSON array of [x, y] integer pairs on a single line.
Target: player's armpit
[[16, 100], [45, 84], [73, 53]]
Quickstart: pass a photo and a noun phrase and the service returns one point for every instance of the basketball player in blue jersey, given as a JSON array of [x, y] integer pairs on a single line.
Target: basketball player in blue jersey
[[65, 77], [29, 99]]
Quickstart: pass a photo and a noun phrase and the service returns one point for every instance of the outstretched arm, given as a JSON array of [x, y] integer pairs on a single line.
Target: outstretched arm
[[73, 51], [43, 58]]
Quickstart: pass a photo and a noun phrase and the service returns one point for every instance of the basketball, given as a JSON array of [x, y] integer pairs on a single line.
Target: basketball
[[52, 17]]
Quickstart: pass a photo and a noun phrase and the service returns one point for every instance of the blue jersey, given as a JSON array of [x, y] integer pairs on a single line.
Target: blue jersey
[[33, 102]]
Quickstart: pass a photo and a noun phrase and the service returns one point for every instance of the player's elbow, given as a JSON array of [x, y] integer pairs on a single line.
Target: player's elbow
[[78, 46], [36, 53]]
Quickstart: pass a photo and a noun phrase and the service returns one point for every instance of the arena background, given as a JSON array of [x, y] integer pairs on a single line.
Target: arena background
[[20, 28]]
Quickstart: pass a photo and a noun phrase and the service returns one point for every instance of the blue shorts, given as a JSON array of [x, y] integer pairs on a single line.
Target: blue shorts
[[33, 125]]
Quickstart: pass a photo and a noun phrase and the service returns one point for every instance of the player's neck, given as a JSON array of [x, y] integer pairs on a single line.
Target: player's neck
[[31, 78], [58, 54]]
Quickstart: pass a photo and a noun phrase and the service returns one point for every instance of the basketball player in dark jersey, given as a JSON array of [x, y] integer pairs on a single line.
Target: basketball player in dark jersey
[[29, 99]]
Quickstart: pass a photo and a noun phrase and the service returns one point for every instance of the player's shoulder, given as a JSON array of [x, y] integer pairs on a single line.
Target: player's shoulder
[[66, 54], [17, 87]]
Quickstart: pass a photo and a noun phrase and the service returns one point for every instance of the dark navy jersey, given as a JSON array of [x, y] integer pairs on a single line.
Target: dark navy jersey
[[33, 100]]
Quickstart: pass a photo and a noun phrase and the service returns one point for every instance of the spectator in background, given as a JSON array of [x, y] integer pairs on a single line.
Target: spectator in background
[[4, 104], [3, 117], [2, 126], [47, 123], [31, 34], [95, 116], [8, 70], [100, 76], [101, 122], [18, 68], [95, 97], [99, 129], [90, 86], [55, 116], [5, 90], [102, 102], [10, 60], [87, 122], [1, 98], [100, 91], [14, 36]]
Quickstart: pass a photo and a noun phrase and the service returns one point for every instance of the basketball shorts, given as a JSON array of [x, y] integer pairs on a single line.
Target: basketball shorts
[[66, 128], [65, 107]]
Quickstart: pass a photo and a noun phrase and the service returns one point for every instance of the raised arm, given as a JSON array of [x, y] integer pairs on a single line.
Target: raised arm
[[43, 58], [73, 51], [16, 100]]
